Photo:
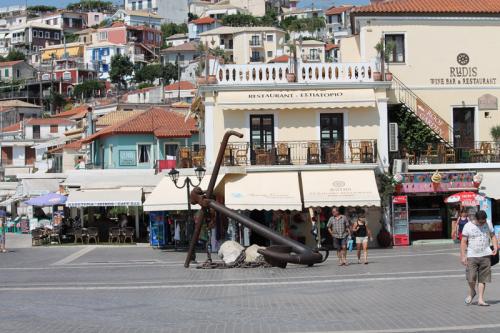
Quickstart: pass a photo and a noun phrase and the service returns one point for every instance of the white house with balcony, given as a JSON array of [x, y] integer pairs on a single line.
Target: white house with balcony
[[100, 54]]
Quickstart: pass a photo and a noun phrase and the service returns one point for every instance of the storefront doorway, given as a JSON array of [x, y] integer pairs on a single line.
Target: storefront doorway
[[332, 128], [261, 133], [463, 127]]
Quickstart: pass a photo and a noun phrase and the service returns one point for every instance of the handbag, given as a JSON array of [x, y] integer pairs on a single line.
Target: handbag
[[494, 258]]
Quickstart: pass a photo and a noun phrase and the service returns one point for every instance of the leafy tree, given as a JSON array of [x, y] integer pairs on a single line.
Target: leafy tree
[[91, 5], [192, 16], [169, 29], [41, 9], [70, 38], [240, 20], [121, 67], [13, 55], [89, 88], [148, 73], [56, 100], [413, 133], [170, 72], [144, 85]]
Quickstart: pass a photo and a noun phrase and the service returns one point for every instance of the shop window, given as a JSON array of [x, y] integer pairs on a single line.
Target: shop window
[[398, 53], [171, 149], [144, 153]]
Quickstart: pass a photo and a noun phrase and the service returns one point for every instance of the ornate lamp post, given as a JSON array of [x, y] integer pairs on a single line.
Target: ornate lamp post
[[174, 176]]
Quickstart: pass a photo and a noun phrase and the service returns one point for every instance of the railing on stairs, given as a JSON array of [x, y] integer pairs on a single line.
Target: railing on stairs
[[422, 111]]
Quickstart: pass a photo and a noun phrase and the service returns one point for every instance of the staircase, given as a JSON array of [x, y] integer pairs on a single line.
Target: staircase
[[414, 104]]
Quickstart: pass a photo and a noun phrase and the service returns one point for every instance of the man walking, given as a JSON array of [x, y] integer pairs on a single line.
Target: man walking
[[338, 227], [475, 254]]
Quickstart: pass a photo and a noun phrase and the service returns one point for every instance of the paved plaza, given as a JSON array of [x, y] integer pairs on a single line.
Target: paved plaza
[[139, 289]]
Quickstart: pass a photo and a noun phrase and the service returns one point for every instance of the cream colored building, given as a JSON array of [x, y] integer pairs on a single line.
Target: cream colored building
[[309, 50], [245, 45]]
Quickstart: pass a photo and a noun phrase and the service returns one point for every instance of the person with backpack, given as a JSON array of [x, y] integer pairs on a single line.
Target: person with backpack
[[339, 228]]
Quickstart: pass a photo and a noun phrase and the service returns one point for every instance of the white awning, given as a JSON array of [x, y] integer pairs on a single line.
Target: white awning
[[40, 186], [166, 196], [340, 188], [264, 191], [105, 198], [490, 185]]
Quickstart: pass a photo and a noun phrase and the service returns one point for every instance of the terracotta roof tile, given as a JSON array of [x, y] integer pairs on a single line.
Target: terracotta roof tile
[[10, 63], [115, 117], [17, 103], [329, 47], [76, 145], [432, 7], [82, 109], [184, 85], [49, 121], [12, 128], [281, 59], [337, 10], [203, 20], [157, 121], [189, 46]]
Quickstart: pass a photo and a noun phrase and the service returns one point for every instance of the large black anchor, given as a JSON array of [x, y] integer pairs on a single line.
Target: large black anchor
[[287, 250]]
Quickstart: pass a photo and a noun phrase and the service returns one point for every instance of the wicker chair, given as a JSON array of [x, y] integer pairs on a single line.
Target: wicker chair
[[241, 155], [199, 157], [93, 233], [114, 233], [367, 152], [128, 233], [38, 236], [55, 234], [79, 235], [312, 153], [283, 153], [185, 157]]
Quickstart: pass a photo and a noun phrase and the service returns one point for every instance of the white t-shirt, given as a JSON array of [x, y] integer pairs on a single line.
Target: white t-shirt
[[478, 238]]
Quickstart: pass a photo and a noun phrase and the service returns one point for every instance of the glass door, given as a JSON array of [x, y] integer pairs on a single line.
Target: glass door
[[332, 137], [261, 133]]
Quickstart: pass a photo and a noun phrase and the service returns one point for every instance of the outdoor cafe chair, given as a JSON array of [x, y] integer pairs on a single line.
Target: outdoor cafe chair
[[114, 233], [38, 236], [312, 153], [79, 235], [55, 234], [128, 233], [93, 233], [199, 157], [283, 153], [241, 155]]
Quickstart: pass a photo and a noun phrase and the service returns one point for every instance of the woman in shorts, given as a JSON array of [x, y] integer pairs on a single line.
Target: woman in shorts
[[362, 234]]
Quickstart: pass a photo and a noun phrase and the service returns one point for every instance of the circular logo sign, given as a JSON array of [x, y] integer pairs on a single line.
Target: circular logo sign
[[338, 183], [463, 59]]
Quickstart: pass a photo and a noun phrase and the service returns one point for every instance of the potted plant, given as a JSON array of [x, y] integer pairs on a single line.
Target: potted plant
[[383, 51], [495, 133], [290, 76]]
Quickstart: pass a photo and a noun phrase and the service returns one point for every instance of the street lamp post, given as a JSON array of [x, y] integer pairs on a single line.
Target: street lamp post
[[174, 176]]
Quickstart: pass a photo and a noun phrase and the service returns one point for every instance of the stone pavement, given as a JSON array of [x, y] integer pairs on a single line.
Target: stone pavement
[[105, 289]]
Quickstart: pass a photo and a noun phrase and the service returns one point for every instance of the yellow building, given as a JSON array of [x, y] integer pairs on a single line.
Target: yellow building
[[72, 50], [245, 45]]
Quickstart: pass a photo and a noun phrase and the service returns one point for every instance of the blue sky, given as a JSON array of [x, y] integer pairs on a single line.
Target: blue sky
[[63, 3]]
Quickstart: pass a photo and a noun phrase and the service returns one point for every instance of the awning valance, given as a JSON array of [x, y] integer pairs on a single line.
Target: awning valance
[[166, 196], [490, 185], [340, 188], [105, 198], [264, 191]]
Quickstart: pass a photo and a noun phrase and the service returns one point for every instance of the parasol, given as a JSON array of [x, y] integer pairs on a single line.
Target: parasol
[[51, 199], [465, 198]]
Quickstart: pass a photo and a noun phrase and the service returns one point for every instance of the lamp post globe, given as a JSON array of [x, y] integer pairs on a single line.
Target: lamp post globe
[[174, 175], [200, 173]]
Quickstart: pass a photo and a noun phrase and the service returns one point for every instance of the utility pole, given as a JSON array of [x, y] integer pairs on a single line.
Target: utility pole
[[178, 77]]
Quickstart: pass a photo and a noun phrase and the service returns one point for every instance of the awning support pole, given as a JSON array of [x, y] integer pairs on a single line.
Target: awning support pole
[[137, 222]]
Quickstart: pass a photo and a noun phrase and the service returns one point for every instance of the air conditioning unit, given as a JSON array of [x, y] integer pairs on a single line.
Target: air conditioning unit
[[393, 137], [399, 166]]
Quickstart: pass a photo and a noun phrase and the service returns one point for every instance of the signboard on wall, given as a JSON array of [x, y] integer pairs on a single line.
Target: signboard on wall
[[487, 102], [127, 158], [421, 182], [465, 74], [433, 120]]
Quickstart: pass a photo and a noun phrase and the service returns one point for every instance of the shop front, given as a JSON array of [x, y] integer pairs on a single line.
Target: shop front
[[422, 208]]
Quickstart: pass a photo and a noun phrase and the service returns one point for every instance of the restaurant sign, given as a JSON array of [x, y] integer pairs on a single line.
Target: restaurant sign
[[463, 74], [487, 102], [433, 120], [420, 182]]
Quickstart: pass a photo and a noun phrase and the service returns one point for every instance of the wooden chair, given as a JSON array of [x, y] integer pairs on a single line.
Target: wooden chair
[[486, 152], [199, 157], [37, 237], [283, 153], [128, 233], [93, 233], [185, 157], [241, 155], [261, 156], [114, 233], [367, 152], [228, 156], [312, 153]]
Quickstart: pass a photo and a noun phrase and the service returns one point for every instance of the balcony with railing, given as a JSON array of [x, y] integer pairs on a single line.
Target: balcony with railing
[[306, 73], [255, 42], [440, 153], [185, 157], [301, 153]]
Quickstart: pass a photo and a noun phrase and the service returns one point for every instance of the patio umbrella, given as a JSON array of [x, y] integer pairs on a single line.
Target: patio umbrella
[[465, 198], [50, 199]]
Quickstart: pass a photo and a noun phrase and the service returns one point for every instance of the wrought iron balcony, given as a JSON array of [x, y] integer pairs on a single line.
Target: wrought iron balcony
[[301, 153]]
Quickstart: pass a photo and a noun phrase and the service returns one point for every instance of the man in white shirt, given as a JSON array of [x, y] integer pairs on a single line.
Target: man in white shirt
[[475, 254]]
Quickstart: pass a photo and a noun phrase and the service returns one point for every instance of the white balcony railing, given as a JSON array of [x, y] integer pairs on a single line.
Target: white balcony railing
[[306, 73]]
